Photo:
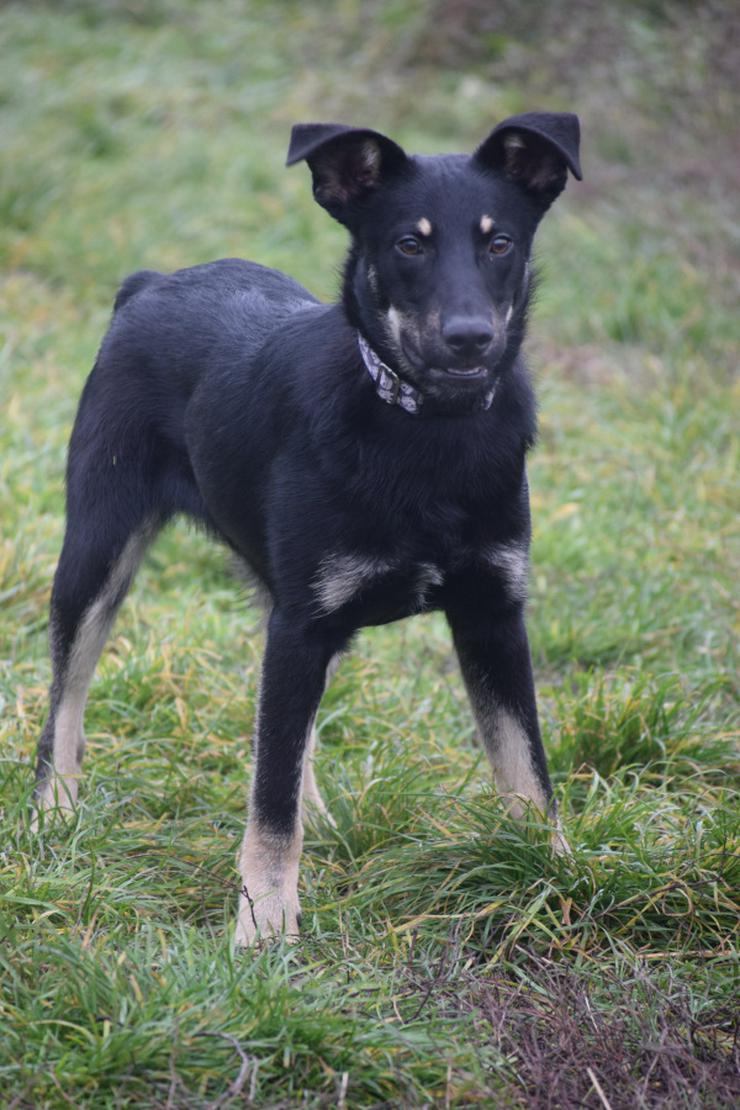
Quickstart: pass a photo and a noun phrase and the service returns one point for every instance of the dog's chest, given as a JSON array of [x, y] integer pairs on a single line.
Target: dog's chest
[[372, 589], [376, 589]]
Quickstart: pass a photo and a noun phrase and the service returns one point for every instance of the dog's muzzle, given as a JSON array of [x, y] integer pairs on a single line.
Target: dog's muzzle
[[392, 388]]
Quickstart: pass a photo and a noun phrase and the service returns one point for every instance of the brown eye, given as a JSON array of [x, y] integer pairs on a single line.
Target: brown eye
[[409, 245], [500, 244]]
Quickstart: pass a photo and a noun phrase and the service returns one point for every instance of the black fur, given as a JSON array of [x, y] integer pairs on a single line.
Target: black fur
[[229, 393]]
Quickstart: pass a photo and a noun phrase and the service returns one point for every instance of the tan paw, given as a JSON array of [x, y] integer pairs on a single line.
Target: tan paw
[[267, 916], [57, 795]]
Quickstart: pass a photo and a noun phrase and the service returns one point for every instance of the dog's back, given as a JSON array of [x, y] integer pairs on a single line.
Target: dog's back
[[168, 331], [174, 326]]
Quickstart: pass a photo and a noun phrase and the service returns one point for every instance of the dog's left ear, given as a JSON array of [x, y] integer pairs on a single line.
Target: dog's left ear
[[347, 163], [536, 150]]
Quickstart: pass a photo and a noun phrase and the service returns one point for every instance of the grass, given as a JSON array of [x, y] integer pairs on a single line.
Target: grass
[[448, 958]]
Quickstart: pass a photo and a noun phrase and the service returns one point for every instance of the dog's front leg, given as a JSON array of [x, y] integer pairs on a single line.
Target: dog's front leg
[[293, 678], [493, 650]]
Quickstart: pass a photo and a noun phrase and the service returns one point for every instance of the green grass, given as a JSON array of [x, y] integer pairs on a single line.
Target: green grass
[[448, 957]]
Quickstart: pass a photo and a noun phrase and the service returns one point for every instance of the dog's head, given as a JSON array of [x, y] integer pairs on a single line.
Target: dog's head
[[438, 278]]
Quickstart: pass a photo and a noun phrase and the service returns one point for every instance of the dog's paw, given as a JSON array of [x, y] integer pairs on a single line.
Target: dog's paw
[[265, 916], [57, 796], [268, 903]]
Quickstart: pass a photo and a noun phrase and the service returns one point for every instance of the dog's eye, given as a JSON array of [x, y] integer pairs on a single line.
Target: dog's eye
[[409, 245], [500, 244]]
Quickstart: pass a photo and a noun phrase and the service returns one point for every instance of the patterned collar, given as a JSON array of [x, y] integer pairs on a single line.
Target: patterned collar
[[388, 385], [393, 389]]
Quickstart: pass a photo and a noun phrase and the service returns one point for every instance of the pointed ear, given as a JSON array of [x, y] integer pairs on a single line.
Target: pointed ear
[[536, 150], [347, 163]]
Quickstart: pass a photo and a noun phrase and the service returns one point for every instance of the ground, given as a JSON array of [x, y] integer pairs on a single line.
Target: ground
[[448, 957]]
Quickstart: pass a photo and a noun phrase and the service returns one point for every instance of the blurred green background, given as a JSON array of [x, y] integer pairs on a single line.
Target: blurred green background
[[448, 959]]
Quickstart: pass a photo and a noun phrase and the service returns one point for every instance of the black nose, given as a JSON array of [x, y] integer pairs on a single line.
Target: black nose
[[468, 335]]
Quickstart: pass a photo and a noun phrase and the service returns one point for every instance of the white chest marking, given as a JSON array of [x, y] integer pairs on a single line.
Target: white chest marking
[[511, 561], [340, 577]]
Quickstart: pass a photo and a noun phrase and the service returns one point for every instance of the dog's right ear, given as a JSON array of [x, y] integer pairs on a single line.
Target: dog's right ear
[[347, 163]]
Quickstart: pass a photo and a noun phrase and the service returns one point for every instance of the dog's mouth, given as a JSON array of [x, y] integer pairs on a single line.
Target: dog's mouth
[[441, 373], [469, 373]]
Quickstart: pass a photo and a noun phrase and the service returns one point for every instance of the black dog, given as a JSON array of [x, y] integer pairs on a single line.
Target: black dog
[[366, 459]]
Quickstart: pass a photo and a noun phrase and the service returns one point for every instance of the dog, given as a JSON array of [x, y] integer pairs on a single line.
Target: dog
[[364, 459]]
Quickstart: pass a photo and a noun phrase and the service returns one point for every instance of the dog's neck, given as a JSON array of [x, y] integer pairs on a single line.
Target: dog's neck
[[390, 384], [364, 307]]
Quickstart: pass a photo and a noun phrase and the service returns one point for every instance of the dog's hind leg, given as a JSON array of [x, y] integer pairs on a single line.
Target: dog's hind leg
[[91, 582], [311, 800], [114, 510]]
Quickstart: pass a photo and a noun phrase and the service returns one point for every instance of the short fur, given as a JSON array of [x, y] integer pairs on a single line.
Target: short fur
[[229, 393]]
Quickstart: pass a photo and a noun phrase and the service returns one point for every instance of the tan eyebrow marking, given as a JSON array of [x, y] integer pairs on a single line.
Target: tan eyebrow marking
[[486, 224], [424, 226]]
